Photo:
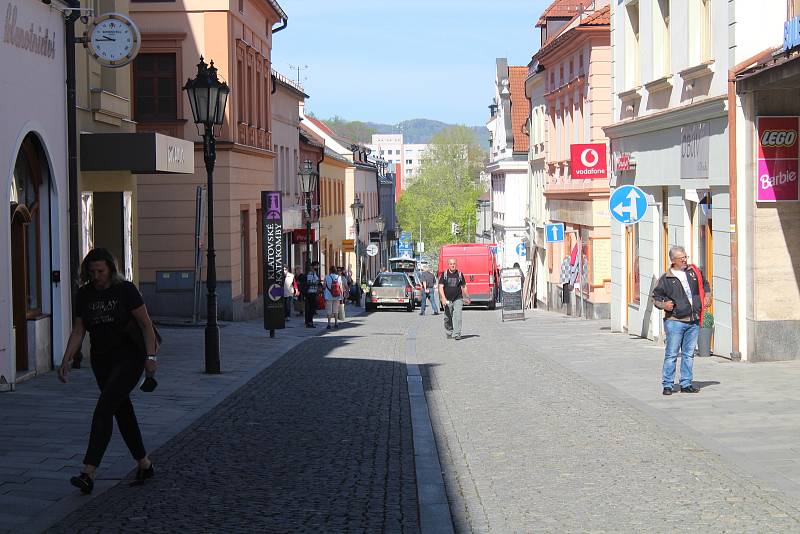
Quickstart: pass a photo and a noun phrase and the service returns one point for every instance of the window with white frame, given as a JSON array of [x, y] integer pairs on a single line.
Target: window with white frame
[[632, 55], [699, 31], [661, 39]]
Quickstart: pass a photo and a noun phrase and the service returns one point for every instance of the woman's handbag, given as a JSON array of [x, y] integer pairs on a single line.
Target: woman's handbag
[[133, 331]]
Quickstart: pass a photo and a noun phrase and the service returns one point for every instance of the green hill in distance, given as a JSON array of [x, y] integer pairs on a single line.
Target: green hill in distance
[[414, 130]]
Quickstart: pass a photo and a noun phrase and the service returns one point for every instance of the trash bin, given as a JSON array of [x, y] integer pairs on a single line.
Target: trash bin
[[704, 342]]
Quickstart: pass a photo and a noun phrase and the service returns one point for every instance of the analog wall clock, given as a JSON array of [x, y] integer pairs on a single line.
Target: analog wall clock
[[113, 40]]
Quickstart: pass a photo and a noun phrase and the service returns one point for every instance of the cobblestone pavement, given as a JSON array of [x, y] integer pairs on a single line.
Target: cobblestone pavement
[[318, 442], [529, 445]]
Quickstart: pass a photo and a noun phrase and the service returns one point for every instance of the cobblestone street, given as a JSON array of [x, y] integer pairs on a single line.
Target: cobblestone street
[[318, 442]]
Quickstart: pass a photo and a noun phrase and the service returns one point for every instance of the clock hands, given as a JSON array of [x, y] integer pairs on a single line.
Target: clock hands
[[105, 38]]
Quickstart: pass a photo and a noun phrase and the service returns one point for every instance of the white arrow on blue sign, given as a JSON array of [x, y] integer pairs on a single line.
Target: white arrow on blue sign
[[521, 252], [554, 233], [628, 204]]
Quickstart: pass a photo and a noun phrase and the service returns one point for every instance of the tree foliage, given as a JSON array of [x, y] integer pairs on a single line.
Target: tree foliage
[[445, 190], [356, 131]]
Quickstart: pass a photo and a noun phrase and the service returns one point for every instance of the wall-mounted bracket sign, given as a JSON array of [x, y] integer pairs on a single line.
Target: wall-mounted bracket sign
[[113, 40], [554, 233], [588, 160], [777, 159]]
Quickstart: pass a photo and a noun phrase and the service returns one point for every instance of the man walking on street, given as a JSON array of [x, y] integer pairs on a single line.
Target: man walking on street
[[428, 280], [453, 294], [333, 296], [684, 294], [311, 280]]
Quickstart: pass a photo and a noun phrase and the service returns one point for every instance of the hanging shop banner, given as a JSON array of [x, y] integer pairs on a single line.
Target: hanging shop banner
[[777, 162], [272, 225], [588, 160], [511, 283]]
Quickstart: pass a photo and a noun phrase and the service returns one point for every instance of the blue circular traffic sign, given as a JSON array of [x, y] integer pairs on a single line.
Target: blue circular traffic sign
[[627, 204]]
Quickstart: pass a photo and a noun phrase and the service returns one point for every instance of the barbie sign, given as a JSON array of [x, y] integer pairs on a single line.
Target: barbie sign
[[777, 167]]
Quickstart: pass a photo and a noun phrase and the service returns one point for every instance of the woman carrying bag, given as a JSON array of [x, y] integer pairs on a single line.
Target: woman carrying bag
[[110, 308]]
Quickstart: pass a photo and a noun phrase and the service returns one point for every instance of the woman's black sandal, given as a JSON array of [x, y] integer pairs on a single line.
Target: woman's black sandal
[[83, 482], [142, 475]]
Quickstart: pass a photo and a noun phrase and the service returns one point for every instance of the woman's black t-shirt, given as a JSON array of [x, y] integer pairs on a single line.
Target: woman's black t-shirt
[[106, 313]]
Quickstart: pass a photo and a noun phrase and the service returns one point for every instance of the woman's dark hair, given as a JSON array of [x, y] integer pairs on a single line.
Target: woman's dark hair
[[100, 254]]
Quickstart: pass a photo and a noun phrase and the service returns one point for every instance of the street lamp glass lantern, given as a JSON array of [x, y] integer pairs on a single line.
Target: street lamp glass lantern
[[357, 208], [307, 182], [380, 223], [208, 96]]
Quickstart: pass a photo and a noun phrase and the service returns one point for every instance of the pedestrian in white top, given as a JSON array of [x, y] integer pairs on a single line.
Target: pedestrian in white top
[[288, 291], [333, 296]]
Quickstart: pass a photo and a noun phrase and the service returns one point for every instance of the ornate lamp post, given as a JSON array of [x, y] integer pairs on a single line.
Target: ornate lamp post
[[308, 185], [357, 208], [207, 98], [380, 224]]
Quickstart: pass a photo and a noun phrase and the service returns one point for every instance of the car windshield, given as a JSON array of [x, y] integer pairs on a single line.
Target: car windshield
[[391, 280]]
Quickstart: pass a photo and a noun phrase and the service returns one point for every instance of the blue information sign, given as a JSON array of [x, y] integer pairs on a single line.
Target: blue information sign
[[554, 233], [628, 204], [521, 251]]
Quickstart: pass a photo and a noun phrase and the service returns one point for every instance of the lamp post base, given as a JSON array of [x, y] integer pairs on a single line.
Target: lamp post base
[[212, 349]]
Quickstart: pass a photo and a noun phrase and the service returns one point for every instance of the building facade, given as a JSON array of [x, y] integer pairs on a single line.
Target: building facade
[[508, 164], [576, 57], [395, 151], [671, 138], [35, 316], [238, 38]]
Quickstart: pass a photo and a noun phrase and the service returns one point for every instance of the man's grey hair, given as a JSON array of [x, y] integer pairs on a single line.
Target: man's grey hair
[[673, 251]]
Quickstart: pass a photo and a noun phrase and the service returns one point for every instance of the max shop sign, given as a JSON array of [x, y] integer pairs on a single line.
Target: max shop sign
[[623, 161], [694, 150], [777, 165], [588, 160], [31, 38]]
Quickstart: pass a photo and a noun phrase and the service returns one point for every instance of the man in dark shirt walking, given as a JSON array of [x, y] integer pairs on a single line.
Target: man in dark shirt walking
[[428, 280], [453, 294]]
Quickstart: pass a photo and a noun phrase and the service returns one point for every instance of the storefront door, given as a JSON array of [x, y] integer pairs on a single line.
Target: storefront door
[[19, 222]]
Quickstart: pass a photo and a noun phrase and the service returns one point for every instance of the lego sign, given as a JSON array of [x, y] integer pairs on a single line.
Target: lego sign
[[777, 161], [588, 161]]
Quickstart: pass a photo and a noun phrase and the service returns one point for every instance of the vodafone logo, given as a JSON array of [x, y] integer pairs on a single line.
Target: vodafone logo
[[588, 160], [778, 138], [589, 157]]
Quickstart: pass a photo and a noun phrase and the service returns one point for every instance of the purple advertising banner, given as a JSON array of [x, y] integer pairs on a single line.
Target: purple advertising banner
[[272, 226]]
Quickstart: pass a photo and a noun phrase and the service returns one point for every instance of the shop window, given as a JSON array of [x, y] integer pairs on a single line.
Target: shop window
[[155, 87], [87, 223], [705, 249], [632, 261], [665, 229], [260, 249]]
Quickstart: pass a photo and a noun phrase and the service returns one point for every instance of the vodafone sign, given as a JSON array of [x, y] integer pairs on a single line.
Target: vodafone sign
[[588, 160], [777, 162]]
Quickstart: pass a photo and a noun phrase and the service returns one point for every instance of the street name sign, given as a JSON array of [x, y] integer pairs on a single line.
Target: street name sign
[[554, 233], [272, 226], [627, 204]]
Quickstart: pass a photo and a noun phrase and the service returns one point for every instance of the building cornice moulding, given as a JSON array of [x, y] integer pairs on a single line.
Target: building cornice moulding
[[710, 108]]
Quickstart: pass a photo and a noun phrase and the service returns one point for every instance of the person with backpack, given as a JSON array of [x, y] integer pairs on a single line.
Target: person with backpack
[[333, 296], [453, 294], [683, 294]]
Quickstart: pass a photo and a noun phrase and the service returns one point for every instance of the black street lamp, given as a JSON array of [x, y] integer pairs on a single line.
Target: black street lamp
[[308, 184], [207, 98], [380, 224], [357, 208]]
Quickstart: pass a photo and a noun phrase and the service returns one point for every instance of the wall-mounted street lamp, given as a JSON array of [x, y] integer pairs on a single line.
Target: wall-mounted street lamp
[[207, 98], [308, 184], [380, 224], [357, 208]]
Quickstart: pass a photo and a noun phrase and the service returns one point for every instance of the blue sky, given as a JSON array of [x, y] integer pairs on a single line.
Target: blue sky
[[393, 60]]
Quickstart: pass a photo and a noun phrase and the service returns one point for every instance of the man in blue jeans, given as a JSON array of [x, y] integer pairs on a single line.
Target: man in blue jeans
[[683, 293], [428, 280]]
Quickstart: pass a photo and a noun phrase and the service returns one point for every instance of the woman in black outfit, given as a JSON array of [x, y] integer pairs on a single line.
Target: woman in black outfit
[[106, 306]]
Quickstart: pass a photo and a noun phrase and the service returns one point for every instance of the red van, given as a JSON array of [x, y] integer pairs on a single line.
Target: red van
[[479, 265]]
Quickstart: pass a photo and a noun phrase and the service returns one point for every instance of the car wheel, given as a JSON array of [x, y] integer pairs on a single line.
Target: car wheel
[[492, 304], [369, 307]]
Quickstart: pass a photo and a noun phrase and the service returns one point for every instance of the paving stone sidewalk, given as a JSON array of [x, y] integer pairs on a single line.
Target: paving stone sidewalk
[[46, 423], [557, 425]]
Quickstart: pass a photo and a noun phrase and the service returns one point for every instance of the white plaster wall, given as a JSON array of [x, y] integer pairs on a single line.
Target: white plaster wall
[[39, 94]]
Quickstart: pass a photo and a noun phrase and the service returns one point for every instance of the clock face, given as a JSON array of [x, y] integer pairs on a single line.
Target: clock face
[[114, 40]]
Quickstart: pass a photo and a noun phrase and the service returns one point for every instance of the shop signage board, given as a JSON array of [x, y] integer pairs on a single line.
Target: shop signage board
[[627, 204], [511, 282], [588, 160], [623, 161], [554, 233], [272, 225], [777, 159], [694, 150]]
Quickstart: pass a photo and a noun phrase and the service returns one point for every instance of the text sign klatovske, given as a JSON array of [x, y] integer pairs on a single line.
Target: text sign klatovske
[[777, 159], [272, 227]]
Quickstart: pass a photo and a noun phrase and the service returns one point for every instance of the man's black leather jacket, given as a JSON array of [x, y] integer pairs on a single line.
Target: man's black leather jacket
[[669, 287]]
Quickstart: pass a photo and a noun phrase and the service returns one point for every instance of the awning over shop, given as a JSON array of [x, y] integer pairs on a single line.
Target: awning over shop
[[141, 153]]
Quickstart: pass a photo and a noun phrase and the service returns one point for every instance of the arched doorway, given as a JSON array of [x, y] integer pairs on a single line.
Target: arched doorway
[[28, 188]]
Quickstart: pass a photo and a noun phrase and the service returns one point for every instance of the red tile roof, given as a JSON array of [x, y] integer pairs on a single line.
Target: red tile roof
[[601, 17], [520, 106], [563, 9], [321, 125]]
